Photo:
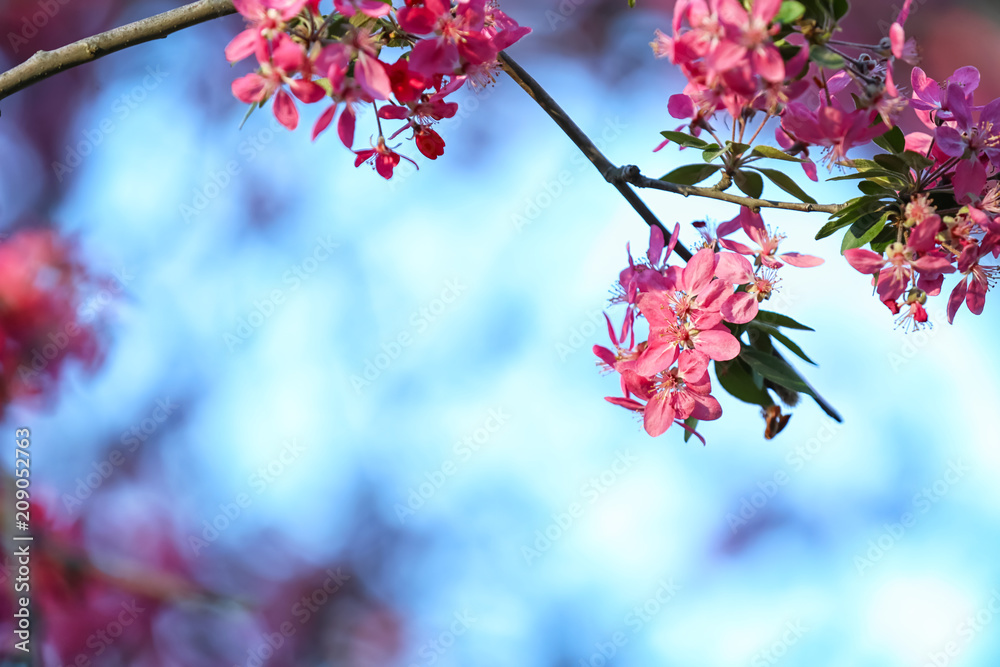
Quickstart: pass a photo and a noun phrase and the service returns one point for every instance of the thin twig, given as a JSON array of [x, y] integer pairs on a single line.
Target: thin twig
[[608, 170], [44, 64], [631, 174]]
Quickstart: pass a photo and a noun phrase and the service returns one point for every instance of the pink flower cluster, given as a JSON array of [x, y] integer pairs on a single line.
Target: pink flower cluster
[[962, 141], [40, 293], [303, 55], [732, 62], [665, 378]]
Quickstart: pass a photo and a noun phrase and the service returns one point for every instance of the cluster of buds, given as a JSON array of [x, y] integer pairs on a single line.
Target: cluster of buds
[[305, 54]]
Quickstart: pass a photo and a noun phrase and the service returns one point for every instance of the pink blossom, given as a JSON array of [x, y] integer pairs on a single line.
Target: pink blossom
[[831, 126], [675, 395], [383, 158], [267, 20], [372, 8], [767, 255], [287, 59]]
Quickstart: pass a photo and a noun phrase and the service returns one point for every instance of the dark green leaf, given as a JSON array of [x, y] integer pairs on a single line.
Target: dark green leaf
[[750, 183], [790, 12], [774, 368], [785, 182], [824, 57], [685, 139], [784, 340], [884, 239], [737, 380], [835, 224], [712, 152], [778, 320], [692, 424], [864, 230], [916, 160], [774, 153], [876, 189], [690, 174], [893, 164], [892, 141], [840, 8], [737, 148]]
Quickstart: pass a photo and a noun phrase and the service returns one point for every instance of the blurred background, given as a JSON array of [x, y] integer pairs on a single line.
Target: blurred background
[[344, 421]]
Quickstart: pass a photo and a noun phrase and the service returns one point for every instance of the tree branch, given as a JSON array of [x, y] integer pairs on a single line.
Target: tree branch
[[609, 171], [622, 177], [630, 174], [44, 64]]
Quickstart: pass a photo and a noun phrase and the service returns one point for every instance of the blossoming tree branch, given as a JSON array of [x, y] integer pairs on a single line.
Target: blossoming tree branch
[[773, 94]]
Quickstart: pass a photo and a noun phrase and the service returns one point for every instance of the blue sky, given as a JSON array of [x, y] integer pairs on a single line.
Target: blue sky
[[498, 315]]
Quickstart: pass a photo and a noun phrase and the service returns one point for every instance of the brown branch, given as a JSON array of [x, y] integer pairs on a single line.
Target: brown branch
[[609, 171], [44, 64], [630, 174], [622, 177]]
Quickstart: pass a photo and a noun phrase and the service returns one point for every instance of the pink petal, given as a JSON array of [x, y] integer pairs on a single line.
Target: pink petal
[[655, 245], [740, 308], [324, 121], [768, 64], [733, 268], [605, 355], [800, 260], [372, 77], [656, 358], [658, 415], [285, 111], [699, 271], [345, 127], [706, 408], [249, 88], [681, 106], [628, 403], [719, 344], [956, 299], [864, 261], [897, 38], [242, 46]]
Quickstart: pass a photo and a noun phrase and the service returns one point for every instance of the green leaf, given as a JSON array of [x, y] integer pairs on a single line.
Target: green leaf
[[892, 141], [737, 148], [774, 368], [824, 57], [864, 230], [712, 152], [778, 320], [631, 3], [685, 139], [774, 153], [738, 381], [885, 237], [834, 225], [253, 107], [784, 340], [786, 183], [690, 174], [790, 12], [840, 8], [893, 164], [876, 189], [916, 160], [692, 424], [750, 183]]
